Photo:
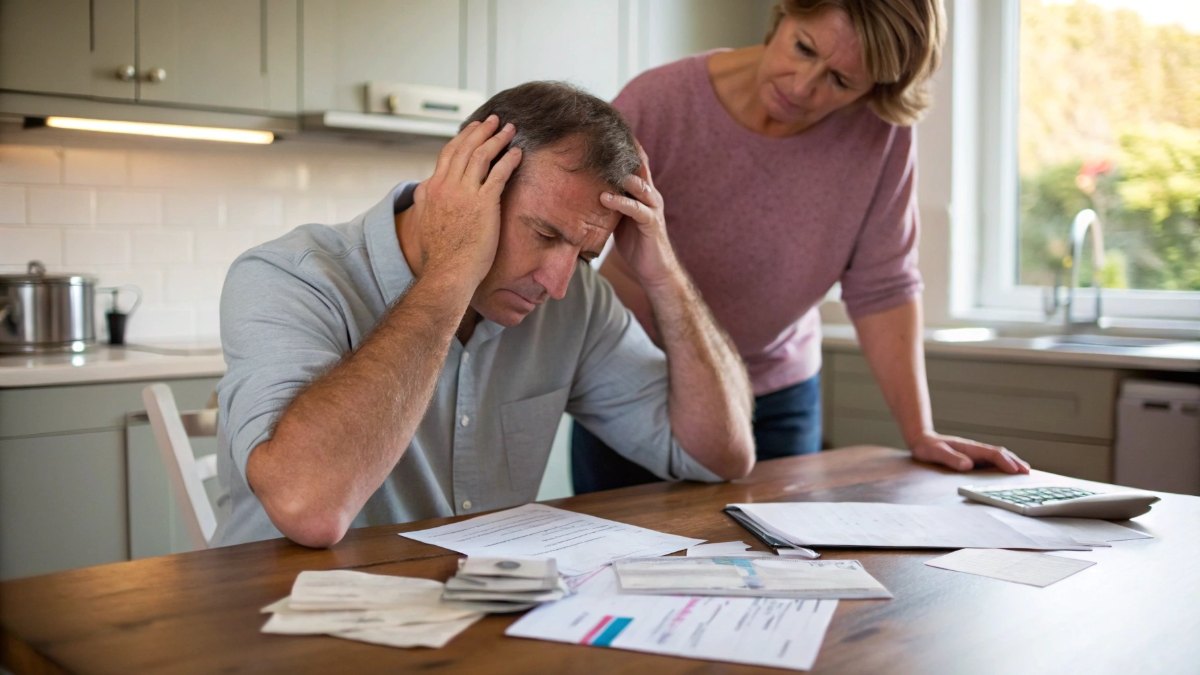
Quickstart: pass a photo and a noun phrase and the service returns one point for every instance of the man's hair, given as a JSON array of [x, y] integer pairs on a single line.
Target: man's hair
[[902, 47], [546, 113]]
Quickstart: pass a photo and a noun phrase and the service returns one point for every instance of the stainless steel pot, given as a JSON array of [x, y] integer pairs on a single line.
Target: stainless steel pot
[[42, 313]]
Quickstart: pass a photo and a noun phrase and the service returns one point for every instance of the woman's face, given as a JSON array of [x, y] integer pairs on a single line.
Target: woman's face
[[812, 66]]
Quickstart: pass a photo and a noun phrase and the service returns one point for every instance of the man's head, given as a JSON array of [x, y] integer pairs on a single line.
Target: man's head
[[548, 113], [574, 147]]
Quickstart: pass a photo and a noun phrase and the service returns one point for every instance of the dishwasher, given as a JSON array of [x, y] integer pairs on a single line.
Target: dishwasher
[[1158, 436]]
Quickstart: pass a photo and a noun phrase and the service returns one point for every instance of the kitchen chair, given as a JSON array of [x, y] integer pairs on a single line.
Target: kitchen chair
[[186, 471]]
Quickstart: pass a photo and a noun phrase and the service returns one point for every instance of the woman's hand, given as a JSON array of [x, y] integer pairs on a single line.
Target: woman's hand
[[963, 454]]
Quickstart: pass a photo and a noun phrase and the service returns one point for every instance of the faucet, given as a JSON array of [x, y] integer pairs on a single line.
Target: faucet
[[1084, 220]]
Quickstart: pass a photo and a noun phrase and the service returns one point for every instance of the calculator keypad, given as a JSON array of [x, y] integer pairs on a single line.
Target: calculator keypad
[[1036, 496]]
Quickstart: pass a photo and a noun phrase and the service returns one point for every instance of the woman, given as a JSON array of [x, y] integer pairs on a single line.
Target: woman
[[785, 168]]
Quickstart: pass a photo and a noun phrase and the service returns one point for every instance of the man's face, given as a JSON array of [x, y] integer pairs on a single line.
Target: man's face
[[550, 219]]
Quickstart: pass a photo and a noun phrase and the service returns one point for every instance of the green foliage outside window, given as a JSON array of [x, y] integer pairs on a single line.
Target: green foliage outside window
[[1109, 120]]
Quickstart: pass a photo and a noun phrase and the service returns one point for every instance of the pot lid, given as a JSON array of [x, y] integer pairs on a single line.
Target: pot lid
[[35, 273]]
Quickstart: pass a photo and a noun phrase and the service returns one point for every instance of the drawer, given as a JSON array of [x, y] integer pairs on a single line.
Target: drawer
[[54, 410], [1057, 401]]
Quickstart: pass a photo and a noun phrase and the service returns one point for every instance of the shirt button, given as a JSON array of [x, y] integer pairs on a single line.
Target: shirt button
[[466, 505], [466, 357], [466, 420]]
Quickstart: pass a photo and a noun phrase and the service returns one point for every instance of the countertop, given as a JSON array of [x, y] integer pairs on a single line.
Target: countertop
[[103, 363], [1166, 355], [203, 358]]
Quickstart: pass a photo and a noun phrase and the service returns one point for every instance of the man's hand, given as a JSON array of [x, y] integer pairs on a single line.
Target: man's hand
[[457, 209], [963, 454], [641, 236]]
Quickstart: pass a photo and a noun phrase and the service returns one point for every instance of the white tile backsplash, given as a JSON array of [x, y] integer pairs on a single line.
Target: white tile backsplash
[[90, 249], [129, 208], [254, 210], [24, 244], [190, 209], [170, 218], [61, 206], [184, 284], [12, 205], [162, 248], [26, 164], [88, 166], [213, 246]]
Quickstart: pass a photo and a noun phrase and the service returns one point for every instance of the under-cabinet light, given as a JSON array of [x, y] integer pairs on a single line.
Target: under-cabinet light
[[163, 130]]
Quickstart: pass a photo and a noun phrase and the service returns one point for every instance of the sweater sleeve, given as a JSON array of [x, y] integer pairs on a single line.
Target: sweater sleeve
[[882, 272]]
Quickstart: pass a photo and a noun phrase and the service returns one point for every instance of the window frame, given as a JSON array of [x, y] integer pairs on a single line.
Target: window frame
[[991, 185]]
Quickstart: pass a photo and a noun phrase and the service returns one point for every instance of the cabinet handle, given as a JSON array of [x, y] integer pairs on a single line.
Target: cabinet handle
[[126, 73], [156, 74]]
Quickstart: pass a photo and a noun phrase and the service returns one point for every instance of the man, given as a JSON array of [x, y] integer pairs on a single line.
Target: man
[[407, 364]]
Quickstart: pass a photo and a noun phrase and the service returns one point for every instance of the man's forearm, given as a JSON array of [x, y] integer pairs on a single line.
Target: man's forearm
[[711, 403], [337, 441]]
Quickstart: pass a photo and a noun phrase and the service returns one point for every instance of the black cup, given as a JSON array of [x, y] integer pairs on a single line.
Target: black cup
[[116, 327]]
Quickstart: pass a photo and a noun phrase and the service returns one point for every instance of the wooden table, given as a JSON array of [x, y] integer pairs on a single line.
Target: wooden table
[[1137, 610]]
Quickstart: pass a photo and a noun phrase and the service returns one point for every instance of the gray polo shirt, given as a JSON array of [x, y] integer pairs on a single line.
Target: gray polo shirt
[[291, 308]]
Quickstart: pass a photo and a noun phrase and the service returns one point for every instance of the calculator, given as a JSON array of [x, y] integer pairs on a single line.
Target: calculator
[[1062, 501]]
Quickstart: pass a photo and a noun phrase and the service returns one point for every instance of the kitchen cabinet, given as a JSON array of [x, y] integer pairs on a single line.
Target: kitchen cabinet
[[600, 45], [585, 42], [221, 54], [1059, 418], [65, 489], [347, 43], [490, 45]]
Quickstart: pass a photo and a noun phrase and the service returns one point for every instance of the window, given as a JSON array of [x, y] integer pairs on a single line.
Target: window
[[1088, 104]]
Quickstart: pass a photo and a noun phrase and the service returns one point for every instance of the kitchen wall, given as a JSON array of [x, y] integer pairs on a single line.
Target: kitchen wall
[[170, 216]]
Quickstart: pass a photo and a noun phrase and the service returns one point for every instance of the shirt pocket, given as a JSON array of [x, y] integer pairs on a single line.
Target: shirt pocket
[[529, 426]]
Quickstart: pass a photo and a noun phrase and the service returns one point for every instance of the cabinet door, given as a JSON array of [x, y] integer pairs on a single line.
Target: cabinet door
[[219, 53], [347, 43], [62, 502], [580, 41], [67, 47]]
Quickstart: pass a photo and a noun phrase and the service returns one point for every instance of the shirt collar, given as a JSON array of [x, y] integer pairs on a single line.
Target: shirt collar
[[391, 270]]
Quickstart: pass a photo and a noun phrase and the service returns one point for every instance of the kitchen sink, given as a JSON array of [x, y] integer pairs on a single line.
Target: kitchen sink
[[1089, 341]]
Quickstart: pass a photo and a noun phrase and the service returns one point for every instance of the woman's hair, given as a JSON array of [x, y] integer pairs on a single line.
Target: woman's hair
[[902, 47], [545, 113]]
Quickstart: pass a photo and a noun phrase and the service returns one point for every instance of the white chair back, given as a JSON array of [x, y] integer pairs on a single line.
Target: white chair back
[[187, 472]]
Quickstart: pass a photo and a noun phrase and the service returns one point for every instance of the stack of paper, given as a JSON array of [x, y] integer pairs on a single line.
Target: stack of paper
[[512, 584], [579, 542], [896, 526], [386, 610], [749, 576]]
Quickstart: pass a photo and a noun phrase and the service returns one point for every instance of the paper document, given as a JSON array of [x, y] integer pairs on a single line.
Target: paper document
[[579, 542], [1086, 531], [376, 608], [861, 524], [774, 632], [753, 577], [1023, 567]]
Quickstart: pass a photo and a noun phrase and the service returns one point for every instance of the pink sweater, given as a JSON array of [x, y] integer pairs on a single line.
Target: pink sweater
[[765, 226]]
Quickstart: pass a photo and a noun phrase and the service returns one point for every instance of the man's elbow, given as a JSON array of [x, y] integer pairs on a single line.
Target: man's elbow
[[307, 523], [739, 465]]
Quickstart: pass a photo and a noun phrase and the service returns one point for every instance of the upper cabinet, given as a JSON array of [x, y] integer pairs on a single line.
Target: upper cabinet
[[585, 42], [348, 43], [221, 54], [280, 57]]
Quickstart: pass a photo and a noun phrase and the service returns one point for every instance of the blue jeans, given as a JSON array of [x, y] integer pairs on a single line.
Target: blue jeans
[[786, 422]]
